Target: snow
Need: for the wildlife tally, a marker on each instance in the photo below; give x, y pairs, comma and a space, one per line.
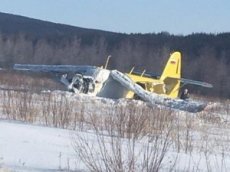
25, 147
35, 148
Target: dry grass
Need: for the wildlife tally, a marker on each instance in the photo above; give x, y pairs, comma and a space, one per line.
131, 139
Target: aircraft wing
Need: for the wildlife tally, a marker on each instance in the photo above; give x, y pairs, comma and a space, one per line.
84, 69
66, 74
193, 82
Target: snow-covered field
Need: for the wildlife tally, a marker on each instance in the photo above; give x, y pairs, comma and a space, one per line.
25, 147
31, 138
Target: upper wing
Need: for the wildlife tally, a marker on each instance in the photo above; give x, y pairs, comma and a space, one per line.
67, 74
84, 69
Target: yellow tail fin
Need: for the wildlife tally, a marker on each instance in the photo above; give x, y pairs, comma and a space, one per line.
171, 74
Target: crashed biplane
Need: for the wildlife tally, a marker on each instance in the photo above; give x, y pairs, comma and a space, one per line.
98, 81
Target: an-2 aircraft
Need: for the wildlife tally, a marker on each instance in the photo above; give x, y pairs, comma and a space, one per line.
99, 81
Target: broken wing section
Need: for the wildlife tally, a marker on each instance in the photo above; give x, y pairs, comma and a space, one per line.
153, 98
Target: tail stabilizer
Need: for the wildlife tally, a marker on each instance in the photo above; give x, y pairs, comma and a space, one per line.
171, 74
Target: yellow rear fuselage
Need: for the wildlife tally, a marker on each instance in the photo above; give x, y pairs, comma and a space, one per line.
167, 84
147, 83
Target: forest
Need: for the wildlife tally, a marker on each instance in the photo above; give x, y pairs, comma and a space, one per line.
205, 56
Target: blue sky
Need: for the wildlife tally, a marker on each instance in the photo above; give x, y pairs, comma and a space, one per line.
129, 16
